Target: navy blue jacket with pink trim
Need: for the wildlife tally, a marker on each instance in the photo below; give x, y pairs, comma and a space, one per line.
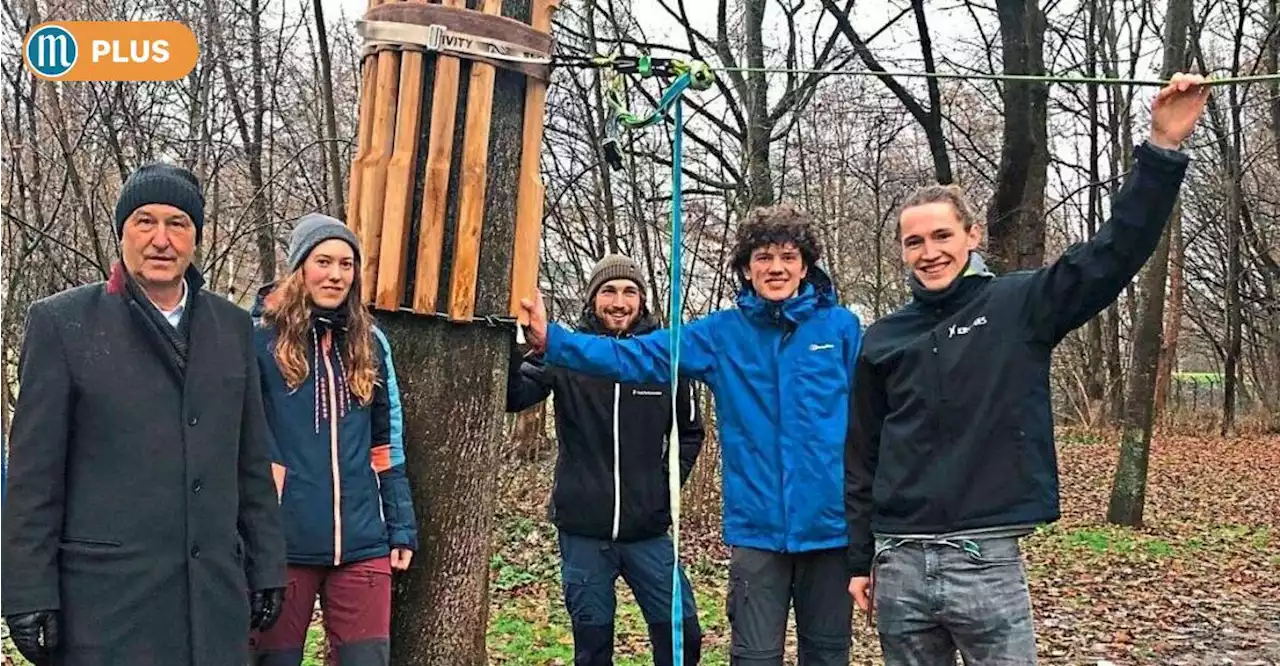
345, 495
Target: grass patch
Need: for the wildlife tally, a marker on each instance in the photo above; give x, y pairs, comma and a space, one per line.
527, 555
1159, 548
521, 634
313, 652
1235, 536
1199, 377
1099, 540
507, 576
1113, 540
1110, 540
1079, 438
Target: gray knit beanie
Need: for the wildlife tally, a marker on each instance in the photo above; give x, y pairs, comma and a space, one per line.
313, 229
160, 183
614, 267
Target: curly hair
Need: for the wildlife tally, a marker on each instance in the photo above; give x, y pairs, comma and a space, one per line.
778, 224
948, 194
288, 309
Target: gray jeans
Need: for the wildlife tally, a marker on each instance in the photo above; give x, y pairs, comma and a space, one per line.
762, 587
933, 599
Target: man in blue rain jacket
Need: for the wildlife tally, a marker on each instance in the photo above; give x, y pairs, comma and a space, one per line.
781, 368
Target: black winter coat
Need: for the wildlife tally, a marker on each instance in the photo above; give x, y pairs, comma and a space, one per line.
140, 502
952, 425
611, 471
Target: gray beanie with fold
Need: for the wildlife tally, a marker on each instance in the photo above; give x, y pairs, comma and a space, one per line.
313, 229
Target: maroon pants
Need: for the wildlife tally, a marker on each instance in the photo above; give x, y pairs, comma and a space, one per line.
356, 600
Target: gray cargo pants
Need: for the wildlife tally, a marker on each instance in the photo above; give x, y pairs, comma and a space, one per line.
762, 585
934, 598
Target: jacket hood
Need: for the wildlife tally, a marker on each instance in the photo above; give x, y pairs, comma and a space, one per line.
260, 299
816, 291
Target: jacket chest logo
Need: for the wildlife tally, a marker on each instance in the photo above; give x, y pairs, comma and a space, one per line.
648, 393
818, 347
954, 330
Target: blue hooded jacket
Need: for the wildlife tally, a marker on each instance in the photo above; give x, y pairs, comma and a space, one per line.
782, 375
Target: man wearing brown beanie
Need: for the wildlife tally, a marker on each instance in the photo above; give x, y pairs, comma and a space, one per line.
610, 503
141, 524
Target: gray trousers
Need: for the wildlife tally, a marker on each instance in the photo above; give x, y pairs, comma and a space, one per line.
933, 599
762, 587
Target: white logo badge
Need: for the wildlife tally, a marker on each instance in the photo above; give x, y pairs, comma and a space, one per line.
954, 330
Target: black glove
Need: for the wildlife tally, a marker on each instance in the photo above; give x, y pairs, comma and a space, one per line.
35, 635
264, 608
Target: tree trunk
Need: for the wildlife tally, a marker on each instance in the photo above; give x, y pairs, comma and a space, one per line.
337, 207
453, 381
1121, 160
1129, 487
5, 397
930, 119
453, 384
1094, 386
759, 127
1173, 316
1015, 217
266, 236
1269, 391
1235, 174
607, 241
933, 128
1115, 371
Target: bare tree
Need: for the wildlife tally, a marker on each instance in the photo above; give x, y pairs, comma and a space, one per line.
1129, 487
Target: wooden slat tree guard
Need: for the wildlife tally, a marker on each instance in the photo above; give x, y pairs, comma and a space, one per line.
446, 198
394, 157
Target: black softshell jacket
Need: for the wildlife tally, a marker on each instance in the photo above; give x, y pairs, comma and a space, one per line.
952, 426
611, 472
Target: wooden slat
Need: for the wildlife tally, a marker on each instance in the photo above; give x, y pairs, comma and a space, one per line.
475, 169
364, 118
374, 174
399, 185
530, 192
435, 190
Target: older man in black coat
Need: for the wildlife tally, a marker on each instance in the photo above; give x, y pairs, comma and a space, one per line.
141, 525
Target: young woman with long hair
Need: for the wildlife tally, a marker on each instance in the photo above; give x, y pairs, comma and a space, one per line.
331, 399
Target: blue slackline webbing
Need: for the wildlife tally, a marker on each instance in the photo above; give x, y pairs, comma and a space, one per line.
673, 448
671, 99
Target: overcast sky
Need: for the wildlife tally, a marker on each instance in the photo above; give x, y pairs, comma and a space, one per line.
869, 15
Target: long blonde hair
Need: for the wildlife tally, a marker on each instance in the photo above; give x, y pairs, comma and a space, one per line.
288, 309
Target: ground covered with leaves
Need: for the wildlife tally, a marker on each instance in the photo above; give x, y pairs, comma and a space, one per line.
1198, 584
